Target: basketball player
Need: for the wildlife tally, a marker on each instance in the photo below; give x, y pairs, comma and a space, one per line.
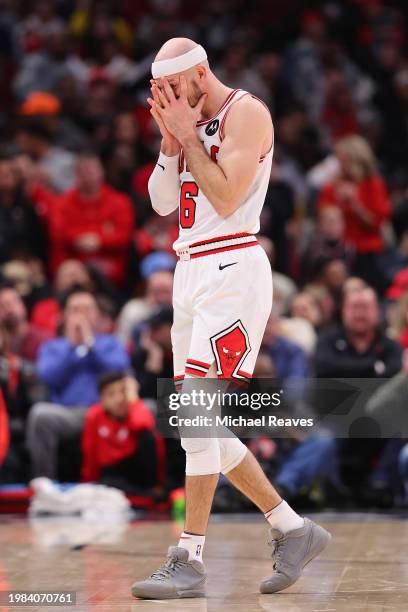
214, 165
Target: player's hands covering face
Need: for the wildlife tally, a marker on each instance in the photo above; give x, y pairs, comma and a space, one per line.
178, 116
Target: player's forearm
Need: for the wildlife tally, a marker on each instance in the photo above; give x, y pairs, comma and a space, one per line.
209, 176
164, 184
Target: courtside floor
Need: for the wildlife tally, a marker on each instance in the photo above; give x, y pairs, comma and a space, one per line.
365, 568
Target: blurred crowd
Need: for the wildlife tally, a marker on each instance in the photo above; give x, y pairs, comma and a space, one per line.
86, 268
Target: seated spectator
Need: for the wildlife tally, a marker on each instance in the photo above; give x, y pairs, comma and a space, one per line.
24, 337
325, 301
276, 213
28, 279
17, 379
327, 241
330, 274
388, 407
305, 306
357, 347
303, 462
70, 367
157, 234
57, 165
283, 287
153, 357
18, 388
362, 196
120, 446
71, 273
39, 24
159, 291
339, 113
21, 231
289, 359
96, 222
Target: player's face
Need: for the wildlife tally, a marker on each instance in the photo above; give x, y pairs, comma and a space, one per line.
194, 91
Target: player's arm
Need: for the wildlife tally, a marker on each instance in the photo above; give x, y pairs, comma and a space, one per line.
248, 134
164, 182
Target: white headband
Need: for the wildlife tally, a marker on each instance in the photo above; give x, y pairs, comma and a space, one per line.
179, 63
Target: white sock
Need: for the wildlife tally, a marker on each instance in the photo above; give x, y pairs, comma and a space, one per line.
194, 544
284, 518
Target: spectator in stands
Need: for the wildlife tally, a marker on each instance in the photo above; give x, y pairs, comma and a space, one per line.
327, 241
388, 407
331, 274
153, 357
362, 196
45, 69
38, 25
57, 165
17, 379
289, 359
21, 231
159, 290
96, 221
276, 213
305, 306
120, 446
24, 337
47, 312
70, 367
357, 347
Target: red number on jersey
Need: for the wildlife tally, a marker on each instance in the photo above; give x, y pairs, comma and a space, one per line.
214, 152
188, 191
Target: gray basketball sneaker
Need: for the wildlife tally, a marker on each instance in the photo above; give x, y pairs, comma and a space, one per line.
176, 578
291, 552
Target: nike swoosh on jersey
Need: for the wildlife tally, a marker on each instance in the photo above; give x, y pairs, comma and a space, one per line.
221, 267
162, 167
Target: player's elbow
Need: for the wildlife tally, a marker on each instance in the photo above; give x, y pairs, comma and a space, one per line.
227, 207
162, 206
160, 209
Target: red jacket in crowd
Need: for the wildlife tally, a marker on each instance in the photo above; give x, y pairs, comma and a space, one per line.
372, 195
106, 441
69, 216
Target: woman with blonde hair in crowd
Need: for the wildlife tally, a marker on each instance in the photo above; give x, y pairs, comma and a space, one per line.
360, 192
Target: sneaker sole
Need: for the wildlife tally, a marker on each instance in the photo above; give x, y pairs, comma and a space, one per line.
188, 594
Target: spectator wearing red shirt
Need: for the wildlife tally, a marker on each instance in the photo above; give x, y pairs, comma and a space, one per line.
362, 196
95, 222
120, 446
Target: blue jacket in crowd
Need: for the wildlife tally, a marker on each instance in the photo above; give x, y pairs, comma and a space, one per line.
71, 373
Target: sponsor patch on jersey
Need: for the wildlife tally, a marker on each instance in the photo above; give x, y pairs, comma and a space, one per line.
212, 127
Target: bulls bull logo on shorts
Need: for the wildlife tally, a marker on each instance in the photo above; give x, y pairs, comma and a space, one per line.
230, 347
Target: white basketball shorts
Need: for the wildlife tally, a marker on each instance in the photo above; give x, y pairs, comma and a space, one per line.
222, 299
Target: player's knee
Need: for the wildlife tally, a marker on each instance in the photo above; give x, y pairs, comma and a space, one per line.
232, 452
202, 456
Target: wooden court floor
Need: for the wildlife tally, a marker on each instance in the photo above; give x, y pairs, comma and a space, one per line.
365, 568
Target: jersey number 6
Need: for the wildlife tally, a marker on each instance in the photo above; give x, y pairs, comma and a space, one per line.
188, 191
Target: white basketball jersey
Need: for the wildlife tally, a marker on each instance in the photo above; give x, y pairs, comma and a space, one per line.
198, 219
